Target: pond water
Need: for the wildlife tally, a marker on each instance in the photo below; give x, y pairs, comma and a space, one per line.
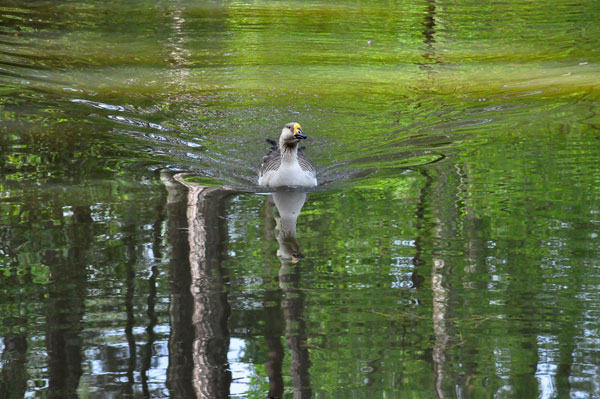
451, 248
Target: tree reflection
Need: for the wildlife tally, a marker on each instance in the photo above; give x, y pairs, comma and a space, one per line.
65, 308
273, 331
198, 365
13, 374
181, 337
208, 366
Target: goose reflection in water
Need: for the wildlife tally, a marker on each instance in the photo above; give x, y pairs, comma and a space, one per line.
289, 204
291, 296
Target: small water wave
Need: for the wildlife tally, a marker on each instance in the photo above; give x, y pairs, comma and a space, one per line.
373, 109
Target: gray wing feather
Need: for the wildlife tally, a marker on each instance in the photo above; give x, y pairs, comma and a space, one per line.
304, 162
272, 160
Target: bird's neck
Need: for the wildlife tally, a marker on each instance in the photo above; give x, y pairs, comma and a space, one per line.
288, 153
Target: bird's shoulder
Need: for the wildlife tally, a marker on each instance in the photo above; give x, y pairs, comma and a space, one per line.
304, 161
272, 160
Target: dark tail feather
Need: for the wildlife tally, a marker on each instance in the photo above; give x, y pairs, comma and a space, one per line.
274, 144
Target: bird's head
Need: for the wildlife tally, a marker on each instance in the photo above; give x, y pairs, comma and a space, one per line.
291, 134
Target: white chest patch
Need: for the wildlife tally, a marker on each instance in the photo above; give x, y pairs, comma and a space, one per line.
288, 174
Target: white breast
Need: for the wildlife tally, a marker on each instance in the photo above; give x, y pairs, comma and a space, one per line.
288, 175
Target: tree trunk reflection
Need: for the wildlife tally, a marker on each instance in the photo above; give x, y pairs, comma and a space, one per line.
66, 307
210, 375
180, 368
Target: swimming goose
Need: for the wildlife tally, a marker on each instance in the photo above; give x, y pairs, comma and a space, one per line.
286, 164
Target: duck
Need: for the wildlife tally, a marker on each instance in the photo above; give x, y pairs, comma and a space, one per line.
286, 164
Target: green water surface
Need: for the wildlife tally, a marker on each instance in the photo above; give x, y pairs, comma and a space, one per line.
451, 249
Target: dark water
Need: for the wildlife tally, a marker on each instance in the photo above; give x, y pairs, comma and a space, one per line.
450, 251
